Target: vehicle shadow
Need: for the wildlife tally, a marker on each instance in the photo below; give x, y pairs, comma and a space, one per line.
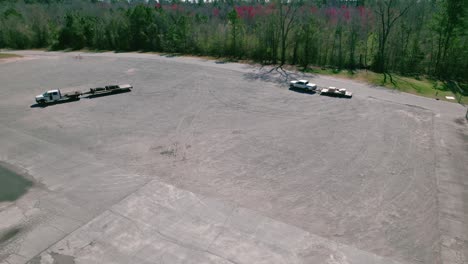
91, 96
336, 96
302, 91
51, 104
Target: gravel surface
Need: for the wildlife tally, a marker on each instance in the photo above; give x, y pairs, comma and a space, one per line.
207, 162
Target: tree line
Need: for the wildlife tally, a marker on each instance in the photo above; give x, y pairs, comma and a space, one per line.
426, 37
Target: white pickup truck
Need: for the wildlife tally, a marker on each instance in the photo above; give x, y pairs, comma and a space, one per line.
53, 96
303, 85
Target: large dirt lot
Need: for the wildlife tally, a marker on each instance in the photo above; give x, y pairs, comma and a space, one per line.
207, 162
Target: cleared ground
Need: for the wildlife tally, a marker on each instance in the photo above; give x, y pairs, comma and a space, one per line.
206, 162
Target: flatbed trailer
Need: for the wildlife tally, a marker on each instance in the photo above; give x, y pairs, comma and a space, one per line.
110, 89
335, 92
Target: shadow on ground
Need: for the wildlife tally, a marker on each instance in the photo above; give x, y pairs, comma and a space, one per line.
336, 96
170, 55
302, 91
275, 75
51, 104
91, 96
12, 185
9, 234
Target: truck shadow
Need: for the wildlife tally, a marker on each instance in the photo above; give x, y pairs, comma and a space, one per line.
302, 91
91, 96
336, 96
51, 104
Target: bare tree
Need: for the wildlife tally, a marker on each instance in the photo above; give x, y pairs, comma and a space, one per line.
286, 20
388, 13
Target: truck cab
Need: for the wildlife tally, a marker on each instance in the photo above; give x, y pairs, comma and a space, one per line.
49, 96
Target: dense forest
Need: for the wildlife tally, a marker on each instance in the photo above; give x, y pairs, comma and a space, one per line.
408, 37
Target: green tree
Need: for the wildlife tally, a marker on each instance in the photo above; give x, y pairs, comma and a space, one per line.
450, 25
388, 12
141, 20
235, 28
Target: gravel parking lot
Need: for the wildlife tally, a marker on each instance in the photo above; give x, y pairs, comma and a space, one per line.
207, 162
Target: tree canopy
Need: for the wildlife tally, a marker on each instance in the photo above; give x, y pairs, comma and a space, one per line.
426, 37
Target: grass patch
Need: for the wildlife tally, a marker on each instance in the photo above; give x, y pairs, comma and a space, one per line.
12, 185
421, 86
9, 55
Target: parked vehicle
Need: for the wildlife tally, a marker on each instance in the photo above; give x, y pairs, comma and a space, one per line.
55, 96
303, 85
333, 91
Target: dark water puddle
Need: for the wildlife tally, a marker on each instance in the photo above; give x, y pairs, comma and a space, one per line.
7, 235
12, 184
